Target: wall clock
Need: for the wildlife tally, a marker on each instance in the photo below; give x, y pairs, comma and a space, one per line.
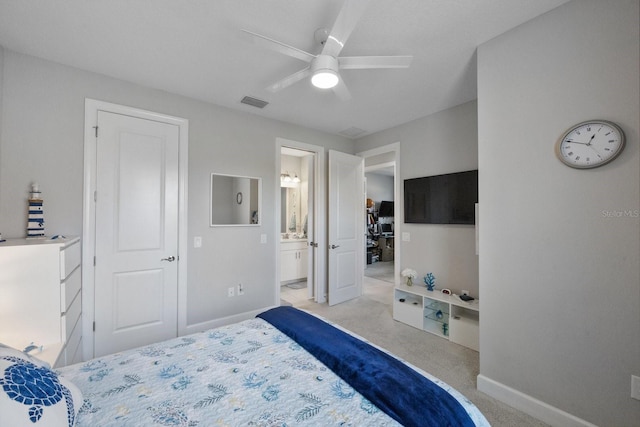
590, 144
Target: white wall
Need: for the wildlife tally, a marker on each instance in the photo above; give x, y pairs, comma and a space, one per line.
379, 188
559, 280
440, 143
42, 125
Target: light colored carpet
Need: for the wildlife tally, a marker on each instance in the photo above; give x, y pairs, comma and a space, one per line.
382, 270
371, 317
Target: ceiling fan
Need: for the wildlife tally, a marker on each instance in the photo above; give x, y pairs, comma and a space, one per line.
324, 67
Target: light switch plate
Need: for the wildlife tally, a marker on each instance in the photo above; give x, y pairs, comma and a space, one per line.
406, 237
197, 242
263, 238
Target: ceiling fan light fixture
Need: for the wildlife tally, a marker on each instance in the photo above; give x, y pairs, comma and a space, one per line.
325, 79
325, 72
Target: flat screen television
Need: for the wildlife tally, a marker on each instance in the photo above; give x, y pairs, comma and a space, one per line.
386, 209
441, 199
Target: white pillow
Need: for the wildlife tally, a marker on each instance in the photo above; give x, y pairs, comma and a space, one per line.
8, 350
31, 394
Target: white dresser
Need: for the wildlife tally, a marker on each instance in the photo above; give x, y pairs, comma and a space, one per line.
41, 297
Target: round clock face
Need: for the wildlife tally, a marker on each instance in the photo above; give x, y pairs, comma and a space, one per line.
590, 144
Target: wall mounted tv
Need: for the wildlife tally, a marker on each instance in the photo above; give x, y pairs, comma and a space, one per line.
441, 199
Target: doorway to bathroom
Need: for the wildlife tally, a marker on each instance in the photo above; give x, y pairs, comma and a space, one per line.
300, 223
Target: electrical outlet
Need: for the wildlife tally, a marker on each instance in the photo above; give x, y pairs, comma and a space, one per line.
231, 291
635, 387
240, 289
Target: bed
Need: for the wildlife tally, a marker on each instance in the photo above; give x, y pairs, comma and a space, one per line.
285, 367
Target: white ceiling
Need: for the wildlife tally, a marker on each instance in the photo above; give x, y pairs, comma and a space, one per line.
194, 48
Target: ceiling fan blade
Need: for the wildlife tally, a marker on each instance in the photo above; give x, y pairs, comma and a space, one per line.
346, 21
341, 91
277, 46
288, 81
362, 62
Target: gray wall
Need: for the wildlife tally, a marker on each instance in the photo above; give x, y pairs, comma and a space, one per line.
42, 131
559, 279
379, 187
440, 143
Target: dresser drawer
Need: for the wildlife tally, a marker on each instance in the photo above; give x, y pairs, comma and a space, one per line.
69, 289
72, 351
69, 259
72, 344
77, 356
71, 317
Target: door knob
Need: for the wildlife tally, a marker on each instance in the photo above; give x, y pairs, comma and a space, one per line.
313, 244
170, 259
335, 246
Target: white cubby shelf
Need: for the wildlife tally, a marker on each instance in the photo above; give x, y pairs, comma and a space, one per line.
444, 315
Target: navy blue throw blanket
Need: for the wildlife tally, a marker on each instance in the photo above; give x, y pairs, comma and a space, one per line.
401, 392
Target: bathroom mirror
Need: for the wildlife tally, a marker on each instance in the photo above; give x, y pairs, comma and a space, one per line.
293, 213
234, 200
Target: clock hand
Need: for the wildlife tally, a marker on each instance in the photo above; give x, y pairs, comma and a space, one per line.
583, 143
576, 142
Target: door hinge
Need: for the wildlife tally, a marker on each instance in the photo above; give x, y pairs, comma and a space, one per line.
94, 260
96, 128
95, 196
94, 326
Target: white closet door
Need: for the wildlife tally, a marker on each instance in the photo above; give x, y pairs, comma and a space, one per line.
136, 274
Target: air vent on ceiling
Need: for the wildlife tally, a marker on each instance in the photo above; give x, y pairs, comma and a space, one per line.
352, 132
254, 102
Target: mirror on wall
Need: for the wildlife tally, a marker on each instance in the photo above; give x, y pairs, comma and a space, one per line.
295, 166
234, 200
293, 213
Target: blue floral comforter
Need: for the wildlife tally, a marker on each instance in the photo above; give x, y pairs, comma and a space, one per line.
249, 373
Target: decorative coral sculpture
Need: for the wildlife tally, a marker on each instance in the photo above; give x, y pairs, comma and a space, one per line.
430, 281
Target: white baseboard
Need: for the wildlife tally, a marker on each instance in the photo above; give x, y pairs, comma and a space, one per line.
529, 405
203, 326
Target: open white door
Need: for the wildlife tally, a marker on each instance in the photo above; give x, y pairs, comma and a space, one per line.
346, 225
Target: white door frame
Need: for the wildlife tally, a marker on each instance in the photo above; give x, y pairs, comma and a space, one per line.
398, 204
320, 252
88, 227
